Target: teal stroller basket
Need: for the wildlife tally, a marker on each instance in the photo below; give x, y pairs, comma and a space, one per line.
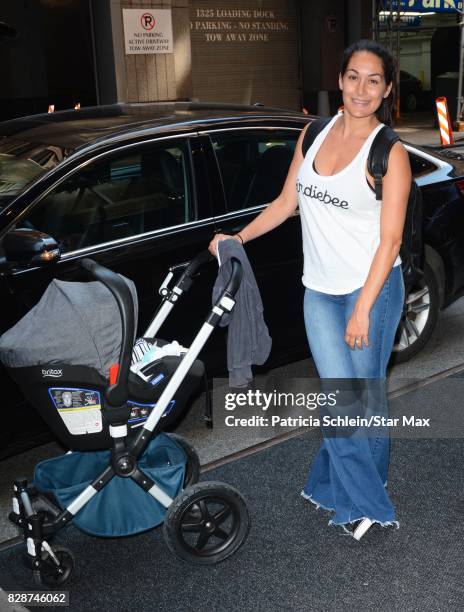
121, 508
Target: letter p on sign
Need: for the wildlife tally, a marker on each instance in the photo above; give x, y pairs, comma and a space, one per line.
148, 21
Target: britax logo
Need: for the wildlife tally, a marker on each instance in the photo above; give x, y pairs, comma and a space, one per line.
52, 373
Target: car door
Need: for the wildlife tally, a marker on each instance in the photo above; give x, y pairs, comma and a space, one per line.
253, 163
137, 209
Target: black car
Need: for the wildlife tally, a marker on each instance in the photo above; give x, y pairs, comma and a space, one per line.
139, 188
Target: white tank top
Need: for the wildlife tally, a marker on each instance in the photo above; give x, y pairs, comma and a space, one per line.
340, 220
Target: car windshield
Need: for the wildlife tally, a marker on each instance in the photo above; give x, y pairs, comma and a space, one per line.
21, 163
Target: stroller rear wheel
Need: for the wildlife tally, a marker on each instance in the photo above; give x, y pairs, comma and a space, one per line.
192, 467
50, 574
206, 523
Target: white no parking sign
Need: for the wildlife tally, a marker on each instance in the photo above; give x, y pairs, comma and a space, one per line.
147, 31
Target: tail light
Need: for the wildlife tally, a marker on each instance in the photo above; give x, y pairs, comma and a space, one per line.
460, 186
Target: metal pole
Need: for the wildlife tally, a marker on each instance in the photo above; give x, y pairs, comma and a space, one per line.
390, 31
94, 52
461, 51
398, 27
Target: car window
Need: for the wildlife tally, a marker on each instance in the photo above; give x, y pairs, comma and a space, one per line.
253, 164
21, 163
420, 166
117, 197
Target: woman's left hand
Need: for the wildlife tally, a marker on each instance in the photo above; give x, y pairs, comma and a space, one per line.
357, 330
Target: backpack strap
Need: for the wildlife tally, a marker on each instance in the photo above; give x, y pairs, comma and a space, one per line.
315, 127
377, 162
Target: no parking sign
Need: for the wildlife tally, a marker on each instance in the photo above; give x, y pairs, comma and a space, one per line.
147, 31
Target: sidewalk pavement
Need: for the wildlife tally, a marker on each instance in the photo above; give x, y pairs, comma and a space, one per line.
425, 136
418, 128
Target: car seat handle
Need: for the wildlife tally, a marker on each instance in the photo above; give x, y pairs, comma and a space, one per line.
117, 393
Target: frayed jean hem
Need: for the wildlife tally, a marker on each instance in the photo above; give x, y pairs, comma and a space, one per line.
317, 504
342, 524
348, 532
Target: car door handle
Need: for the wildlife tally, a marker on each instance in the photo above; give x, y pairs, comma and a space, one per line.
229, 230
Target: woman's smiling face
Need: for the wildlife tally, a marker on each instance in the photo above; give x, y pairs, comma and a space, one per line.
363, 84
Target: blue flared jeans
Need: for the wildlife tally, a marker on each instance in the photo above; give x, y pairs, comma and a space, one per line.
349, 472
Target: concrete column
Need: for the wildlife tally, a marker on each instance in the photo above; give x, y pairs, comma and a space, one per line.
103, 44
359, 20
322, 44
354, 21
147, 77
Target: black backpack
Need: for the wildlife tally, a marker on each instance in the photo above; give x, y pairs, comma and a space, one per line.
412, 247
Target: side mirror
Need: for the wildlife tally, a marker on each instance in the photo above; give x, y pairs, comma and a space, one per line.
27, 247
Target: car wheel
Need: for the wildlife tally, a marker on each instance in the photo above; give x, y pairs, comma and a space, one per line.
419, 317
411, 102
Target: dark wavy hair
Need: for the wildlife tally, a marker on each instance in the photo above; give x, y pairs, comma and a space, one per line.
385, 111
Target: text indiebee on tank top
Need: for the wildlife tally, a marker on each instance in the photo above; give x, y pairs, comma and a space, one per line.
312, 191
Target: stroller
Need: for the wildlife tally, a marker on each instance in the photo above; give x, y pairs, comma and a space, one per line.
123, 474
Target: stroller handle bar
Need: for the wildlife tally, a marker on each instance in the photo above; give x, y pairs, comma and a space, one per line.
171, 295
235, 277
186, 279
224, 303
117, 394
199, 260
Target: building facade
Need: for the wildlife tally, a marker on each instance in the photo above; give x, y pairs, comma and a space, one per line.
272, 52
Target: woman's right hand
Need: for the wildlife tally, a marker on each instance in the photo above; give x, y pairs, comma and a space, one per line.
217, 238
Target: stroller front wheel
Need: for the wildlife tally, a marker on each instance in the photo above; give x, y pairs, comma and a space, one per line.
206, 523
52, 575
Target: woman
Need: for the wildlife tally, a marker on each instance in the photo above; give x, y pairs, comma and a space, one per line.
352, 273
